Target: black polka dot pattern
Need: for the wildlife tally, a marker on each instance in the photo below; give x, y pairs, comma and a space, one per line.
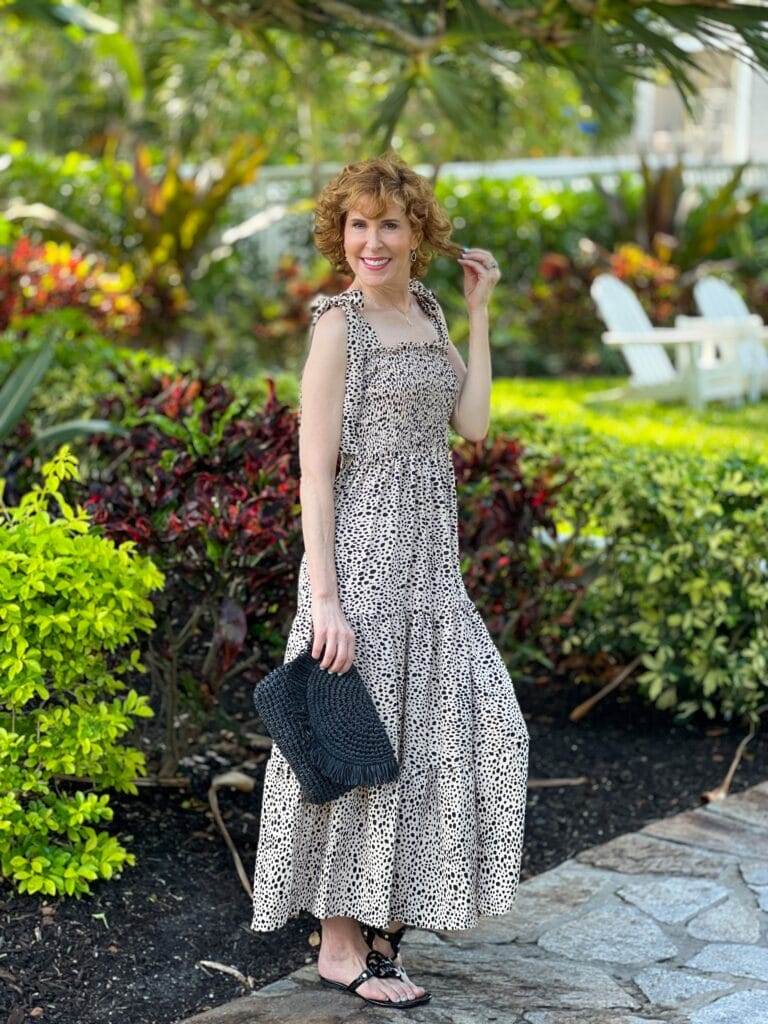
441, 846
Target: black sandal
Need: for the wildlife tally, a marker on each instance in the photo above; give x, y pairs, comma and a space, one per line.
378, 966
370, 931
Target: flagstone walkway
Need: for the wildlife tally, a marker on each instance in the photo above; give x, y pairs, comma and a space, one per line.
666, 924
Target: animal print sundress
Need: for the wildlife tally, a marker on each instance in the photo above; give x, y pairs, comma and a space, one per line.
440, 846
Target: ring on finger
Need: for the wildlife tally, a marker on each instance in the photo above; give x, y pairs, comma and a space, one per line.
492, 266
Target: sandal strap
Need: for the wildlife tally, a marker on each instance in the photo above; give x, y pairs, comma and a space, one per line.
358, 981
394, 938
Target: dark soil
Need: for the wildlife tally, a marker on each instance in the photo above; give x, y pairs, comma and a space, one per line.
129, 953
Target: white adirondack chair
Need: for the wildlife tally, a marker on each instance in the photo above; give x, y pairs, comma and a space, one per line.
694, 376
718, 301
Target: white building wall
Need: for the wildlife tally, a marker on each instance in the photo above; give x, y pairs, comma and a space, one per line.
758, 118
730, 114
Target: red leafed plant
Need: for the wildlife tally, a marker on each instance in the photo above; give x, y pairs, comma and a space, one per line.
292, 314
522, 579
209, 486
52, 275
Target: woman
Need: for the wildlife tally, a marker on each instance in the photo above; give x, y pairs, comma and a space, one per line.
380, 585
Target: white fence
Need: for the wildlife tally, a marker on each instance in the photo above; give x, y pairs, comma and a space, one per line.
263, 206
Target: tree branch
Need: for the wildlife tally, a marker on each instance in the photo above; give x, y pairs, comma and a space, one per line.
528, 23
373, 22
508, 16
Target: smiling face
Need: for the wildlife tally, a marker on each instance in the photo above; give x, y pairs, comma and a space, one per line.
378, 249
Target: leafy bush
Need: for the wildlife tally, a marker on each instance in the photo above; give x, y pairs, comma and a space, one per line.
86, 190
208, 484
519, 577
678, 572
16, 393
72, 600
684, 582
86, 366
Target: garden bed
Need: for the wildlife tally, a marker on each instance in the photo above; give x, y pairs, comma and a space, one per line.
129, 953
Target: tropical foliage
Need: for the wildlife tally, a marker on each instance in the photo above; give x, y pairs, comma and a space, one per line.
522, 581
458, 64
165, 222
207, 484
48, 276
684, 226
19, 390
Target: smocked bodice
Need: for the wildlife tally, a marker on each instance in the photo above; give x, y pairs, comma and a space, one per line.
399, 396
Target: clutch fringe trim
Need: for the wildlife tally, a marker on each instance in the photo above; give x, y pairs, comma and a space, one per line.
354, 773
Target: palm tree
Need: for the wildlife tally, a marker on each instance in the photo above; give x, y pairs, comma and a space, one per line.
452, 50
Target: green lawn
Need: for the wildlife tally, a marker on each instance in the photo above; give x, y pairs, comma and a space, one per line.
717, 429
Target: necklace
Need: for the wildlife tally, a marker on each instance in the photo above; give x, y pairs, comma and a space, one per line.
384, 309
410, 322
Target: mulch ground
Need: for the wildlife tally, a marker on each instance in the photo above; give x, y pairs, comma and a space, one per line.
129, 953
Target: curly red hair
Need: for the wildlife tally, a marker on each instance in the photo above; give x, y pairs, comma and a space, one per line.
370, 185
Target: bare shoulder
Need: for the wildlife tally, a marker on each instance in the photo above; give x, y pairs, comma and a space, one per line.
326, 360
329, 335
331, 323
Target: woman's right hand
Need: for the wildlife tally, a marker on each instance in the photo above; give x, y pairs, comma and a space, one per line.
333, 637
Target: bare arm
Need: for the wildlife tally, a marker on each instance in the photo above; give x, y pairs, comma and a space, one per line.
322, 403
471, 413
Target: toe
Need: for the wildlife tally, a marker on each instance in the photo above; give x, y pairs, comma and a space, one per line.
376, 990
414, 990
401, 991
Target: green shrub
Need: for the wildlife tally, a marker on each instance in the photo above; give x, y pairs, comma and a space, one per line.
686, 582
71, 599
678, 575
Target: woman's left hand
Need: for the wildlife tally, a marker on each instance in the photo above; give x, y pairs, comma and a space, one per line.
481, 274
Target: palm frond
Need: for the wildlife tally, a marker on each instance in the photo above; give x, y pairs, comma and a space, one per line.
390, 109
63, 13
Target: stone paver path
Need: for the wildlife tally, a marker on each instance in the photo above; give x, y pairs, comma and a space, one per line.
666, 924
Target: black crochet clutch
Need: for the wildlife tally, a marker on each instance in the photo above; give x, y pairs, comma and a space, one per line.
327, 728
